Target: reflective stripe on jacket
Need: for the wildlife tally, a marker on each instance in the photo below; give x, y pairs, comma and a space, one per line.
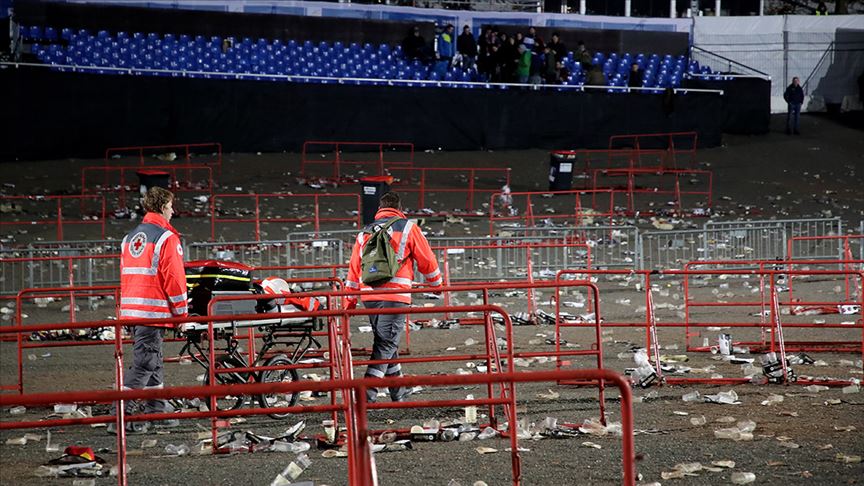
152, 277
411, 248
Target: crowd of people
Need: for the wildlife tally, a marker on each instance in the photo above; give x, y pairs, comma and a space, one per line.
520, 57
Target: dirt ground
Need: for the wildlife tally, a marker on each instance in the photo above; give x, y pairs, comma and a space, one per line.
817, 174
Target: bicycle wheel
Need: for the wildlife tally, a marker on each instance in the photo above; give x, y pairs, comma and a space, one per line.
271, 376
228, 402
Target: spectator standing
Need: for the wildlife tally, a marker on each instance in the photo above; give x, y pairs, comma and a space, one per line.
523, 69
446, 45
583, 56
821, 9
636, 75
484, 52
411, 248
508, 59
414, 45
794, 96
551, 65
152, 286
467, 47
556, 45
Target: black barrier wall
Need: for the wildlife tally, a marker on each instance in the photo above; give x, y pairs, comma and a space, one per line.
58, 114
746, 103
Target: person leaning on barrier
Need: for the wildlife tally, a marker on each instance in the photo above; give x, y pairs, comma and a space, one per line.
152, 286
411, 248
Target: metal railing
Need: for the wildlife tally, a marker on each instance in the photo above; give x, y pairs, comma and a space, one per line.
349, 81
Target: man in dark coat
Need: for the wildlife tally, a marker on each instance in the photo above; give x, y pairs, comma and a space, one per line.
794, 96
467, 47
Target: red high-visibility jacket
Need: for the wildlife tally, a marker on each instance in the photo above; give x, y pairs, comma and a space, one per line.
411, 247
152, 278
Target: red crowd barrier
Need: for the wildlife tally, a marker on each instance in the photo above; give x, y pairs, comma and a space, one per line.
518, 207
355, 413
586, 160
425, 180
675, 143
209, 153
521, 258
312, 213
385, 155
194, 179
845, 253
669, 184
770, 269
85, 214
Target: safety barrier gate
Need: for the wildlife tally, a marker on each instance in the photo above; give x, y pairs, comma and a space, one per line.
317, 252
791, 228
652, 191
843, 247
673, 249
611, 246
517, 209
186, 181
381, 155
675, 143
258, 209
61, 211
73, 270
424, 182
340, 359
767, 278
209, 154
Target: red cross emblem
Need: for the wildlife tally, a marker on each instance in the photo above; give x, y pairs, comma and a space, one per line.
137, 244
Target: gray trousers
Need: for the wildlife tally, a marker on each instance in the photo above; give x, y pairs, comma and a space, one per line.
147, 370
387, 329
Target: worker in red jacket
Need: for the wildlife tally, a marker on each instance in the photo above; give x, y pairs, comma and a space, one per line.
152, 286
411, 248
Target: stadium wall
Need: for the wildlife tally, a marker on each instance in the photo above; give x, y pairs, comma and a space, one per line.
61, 114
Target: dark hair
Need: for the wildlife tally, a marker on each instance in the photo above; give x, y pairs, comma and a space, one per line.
156, 199
390, 200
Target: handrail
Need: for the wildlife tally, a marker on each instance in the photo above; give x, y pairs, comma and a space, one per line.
730, 61
806, 82
333, 80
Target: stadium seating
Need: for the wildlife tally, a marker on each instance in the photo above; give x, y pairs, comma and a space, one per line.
305, 61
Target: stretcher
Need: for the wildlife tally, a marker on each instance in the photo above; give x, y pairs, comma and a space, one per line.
295, 336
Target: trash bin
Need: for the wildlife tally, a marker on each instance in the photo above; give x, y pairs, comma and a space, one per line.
561, 170
148, 178
371, 190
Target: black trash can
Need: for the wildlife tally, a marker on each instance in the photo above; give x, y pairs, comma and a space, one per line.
371, 190
561, 170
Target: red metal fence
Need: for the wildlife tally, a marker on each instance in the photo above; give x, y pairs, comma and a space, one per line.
653, 190
258, 209
379, 155
571, 208
208, 153
184, 179
674, 143
60, 211
429, 181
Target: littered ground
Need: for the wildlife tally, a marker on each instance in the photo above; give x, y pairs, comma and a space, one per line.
819, 173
